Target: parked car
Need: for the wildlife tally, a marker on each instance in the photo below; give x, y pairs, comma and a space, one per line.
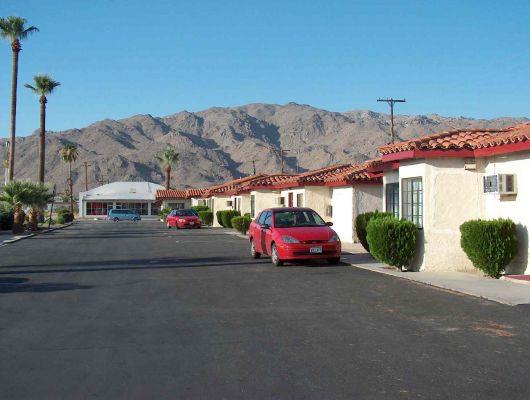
288, 234
124, 214
183, 219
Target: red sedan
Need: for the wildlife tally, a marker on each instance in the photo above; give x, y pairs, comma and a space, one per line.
183, 219
293, 234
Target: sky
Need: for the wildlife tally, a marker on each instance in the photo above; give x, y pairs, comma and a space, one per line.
117, 58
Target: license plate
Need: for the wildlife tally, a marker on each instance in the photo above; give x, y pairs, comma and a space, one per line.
192, 223
315, 250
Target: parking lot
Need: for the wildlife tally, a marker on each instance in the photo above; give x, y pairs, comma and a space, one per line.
136, 311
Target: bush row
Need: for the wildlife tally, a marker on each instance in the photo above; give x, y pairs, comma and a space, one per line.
198, 209
242, 224
224, 217
64, 216
206, 217
361, 223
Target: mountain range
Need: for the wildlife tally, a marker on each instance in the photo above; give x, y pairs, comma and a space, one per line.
218, 144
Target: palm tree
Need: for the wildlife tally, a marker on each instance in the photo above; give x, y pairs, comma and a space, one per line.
19, 193
44, 86
69, 154
14, 30
167, 158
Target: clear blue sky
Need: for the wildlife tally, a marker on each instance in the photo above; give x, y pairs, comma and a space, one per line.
119, 58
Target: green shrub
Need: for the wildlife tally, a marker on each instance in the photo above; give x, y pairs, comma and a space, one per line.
247, 215
164, 212
218, 215
241, 224
391, 240
227, 215
197, 209
206, 217
64, 216
490, 245
6, 218
361, 222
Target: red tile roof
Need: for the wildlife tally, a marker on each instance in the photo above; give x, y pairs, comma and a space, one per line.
460, 139
231, 185
178, 194
354, 173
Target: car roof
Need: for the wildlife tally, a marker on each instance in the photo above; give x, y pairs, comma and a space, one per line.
290, 209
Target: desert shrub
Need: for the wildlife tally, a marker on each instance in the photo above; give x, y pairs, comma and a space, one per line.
206, 217
218, 215
490, 245
64, 216
391, 240
361, 222
241, 224
6, 218
164, 212
227, 215
198, 209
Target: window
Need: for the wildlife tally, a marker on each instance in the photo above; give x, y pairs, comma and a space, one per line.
261, 218
141, 208
176, 206
300, 200
392, 199
268, 218
252, 205
98, 208
412, 193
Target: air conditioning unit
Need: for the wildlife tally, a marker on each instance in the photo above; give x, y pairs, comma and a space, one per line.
280, 201
229, 203
500, 184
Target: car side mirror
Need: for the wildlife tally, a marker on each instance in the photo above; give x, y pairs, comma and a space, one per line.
265, 226
329, 223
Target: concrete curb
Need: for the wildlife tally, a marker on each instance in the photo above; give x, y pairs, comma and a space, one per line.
22, 237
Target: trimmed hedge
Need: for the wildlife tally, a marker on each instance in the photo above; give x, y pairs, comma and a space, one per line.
198, 209
218, 215
490, 245
241, 224
391, 240
206, 217
227, 215
361, 222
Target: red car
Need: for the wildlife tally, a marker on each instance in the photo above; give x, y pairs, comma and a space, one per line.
183, 219
293, 234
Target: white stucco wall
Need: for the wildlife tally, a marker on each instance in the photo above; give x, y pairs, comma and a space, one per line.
515, 207
219, 203
265, 199
342, 202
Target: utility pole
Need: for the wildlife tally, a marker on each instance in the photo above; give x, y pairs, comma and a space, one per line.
254, 167
86, 175
391, 102
282, 152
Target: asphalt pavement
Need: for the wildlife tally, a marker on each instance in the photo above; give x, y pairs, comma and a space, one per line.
135, 311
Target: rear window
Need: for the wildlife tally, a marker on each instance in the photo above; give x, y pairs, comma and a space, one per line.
185, 213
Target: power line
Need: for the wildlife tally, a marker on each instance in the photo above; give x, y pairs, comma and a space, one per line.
391, 102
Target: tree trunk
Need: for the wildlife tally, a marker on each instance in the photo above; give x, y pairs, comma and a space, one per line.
15, 46
42, 143
71, 186
18, 224
33, 219
168, 176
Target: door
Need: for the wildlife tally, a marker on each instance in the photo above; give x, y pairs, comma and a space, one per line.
266, 233
290, 199
257, 231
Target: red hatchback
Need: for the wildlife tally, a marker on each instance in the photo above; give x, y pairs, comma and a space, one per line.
293, 234
183, 219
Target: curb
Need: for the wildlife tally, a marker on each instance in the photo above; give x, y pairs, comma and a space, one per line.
22, 237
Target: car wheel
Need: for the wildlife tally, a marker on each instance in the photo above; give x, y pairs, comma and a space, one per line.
116, 219
275, 257
333, 261
253, 251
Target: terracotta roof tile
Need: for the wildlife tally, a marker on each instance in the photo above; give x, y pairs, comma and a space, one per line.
355, 172
178, 194
460, 139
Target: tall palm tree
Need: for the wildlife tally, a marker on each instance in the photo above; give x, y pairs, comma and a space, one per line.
167, 158
44, 86
69, 154
14, 30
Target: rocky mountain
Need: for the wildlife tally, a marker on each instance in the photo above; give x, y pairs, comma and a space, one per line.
222, 143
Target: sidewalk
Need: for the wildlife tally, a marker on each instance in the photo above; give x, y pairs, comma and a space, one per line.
7, 237
499, 290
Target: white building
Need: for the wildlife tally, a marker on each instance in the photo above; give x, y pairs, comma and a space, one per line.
441, 181
140, 196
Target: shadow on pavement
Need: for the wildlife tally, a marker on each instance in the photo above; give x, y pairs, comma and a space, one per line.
17, 285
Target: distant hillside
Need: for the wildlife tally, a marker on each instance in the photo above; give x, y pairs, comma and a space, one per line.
221, 143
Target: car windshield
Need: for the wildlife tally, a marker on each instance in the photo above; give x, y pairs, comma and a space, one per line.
293, 219
184, 213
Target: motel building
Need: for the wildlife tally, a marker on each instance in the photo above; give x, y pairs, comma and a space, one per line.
443, 180
139, 196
